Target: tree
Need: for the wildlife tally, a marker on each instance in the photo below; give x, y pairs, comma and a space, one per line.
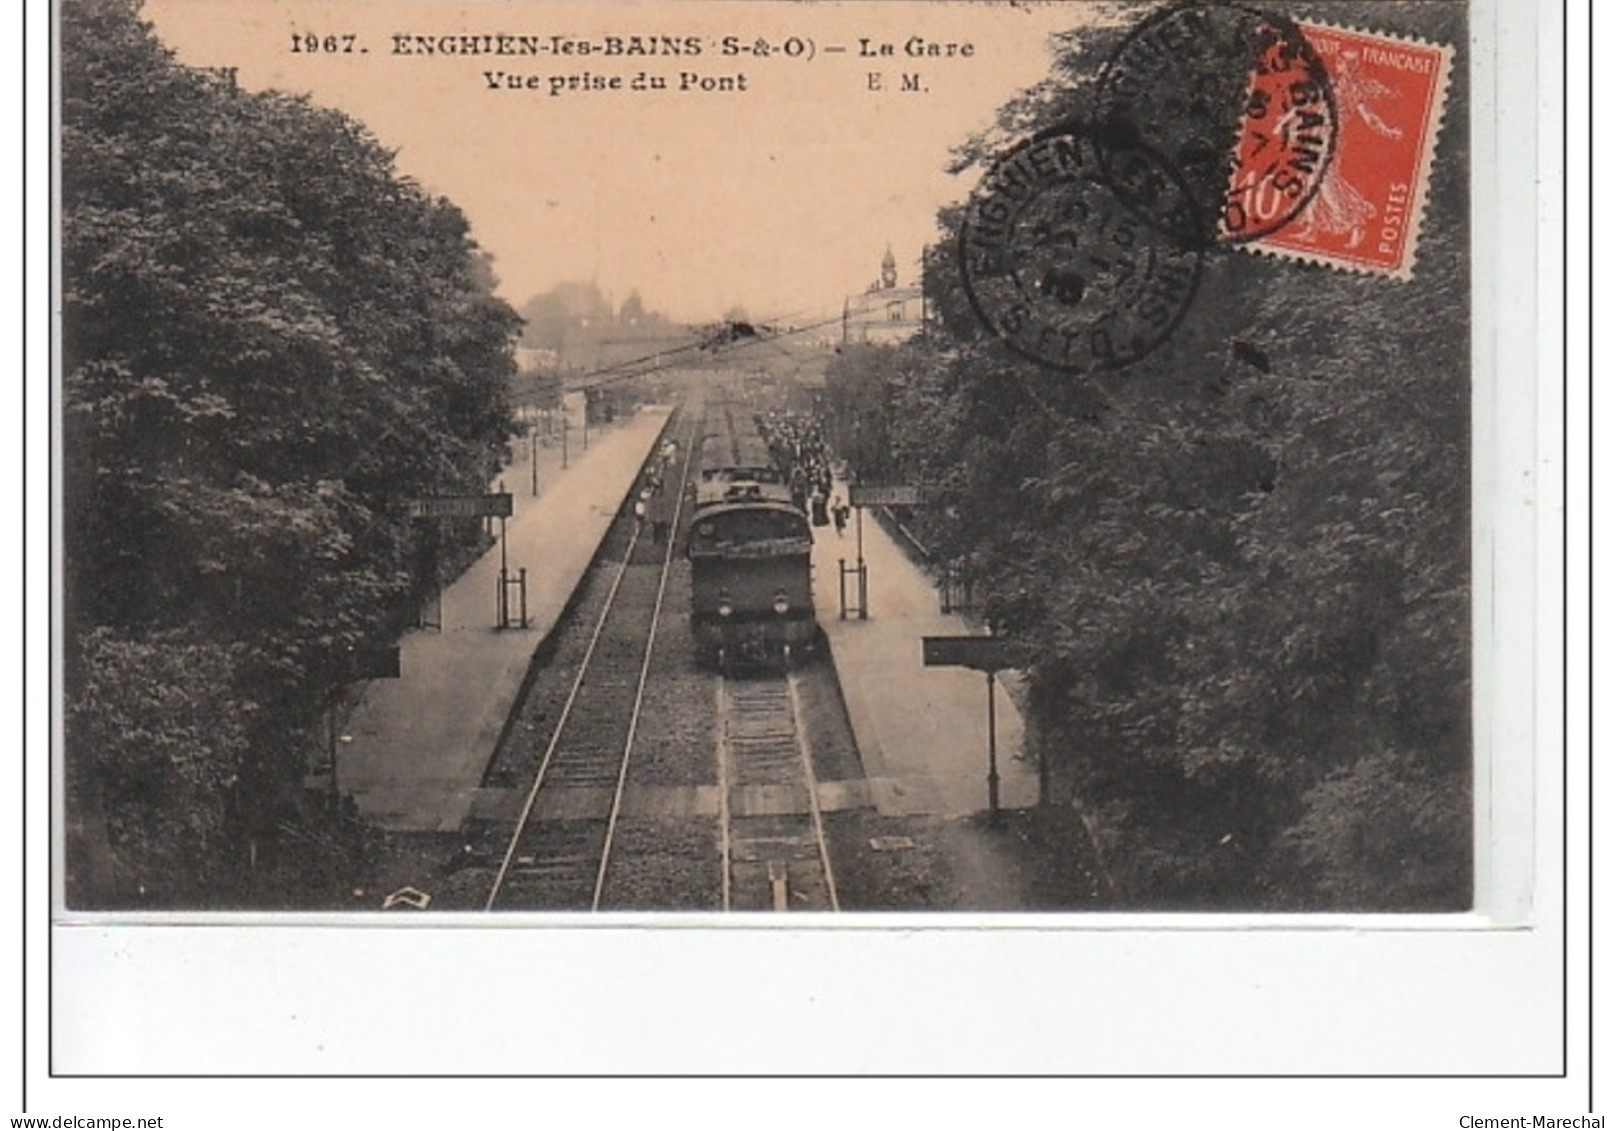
271, 340
1241, 561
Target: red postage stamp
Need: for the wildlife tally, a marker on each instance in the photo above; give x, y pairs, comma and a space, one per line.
1389, 94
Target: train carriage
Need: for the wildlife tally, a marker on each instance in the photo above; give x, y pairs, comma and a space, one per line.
750, 552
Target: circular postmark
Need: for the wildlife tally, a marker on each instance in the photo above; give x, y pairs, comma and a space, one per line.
1236, 100
1064, 270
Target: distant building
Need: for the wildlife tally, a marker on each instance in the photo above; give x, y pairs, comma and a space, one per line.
530, 358
885, 313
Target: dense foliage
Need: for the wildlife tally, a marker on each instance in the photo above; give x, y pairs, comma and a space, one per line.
1242, 563
270, 341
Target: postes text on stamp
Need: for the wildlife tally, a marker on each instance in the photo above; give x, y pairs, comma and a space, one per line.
1390, 94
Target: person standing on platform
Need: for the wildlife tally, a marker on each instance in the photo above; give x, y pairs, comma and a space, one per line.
838, 511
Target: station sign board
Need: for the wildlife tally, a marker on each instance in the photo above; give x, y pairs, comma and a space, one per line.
984, 653
463, 506
884, 495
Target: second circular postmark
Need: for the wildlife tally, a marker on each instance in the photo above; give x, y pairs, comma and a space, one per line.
1067, 271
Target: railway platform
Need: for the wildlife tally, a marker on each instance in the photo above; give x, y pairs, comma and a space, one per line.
922, 732
414, 749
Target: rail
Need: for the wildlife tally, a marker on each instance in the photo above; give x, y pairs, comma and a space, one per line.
639, 690
764, 759
575, 692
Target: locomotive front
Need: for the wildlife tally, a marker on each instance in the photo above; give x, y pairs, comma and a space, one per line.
751, 580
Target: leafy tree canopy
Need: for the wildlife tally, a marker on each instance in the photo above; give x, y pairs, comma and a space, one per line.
271, 340
1243, 559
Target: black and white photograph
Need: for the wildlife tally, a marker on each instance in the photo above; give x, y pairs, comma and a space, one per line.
828, 467
452, 525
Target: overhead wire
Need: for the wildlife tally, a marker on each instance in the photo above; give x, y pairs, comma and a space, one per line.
611, 374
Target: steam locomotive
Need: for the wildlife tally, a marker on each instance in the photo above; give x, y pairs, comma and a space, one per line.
749, 548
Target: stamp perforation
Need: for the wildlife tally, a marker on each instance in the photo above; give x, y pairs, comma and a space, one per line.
1432, 123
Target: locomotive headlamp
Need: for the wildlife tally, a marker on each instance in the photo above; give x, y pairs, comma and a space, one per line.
726, 607
781, 604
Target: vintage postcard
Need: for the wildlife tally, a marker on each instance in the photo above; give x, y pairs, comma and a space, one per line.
785, 464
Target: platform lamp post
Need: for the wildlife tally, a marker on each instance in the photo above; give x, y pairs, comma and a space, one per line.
863, 571
532, 437
993, 817
858, 571
989, 654
502, 606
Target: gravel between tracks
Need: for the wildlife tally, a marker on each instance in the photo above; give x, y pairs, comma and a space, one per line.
677, 733
665, 865
824, 715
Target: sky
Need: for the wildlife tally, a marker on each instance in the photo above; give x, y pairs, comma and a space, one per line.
780, 198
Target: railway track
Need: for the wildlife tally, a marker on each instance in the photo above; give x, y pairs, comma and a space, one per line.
560, 853
775, 857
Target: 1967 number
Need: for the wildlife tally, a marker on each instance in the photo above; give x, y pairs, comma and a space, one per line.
307, 43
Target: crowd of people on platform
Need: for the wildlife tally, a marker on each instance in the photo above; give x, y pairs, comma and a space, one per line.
797, 444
